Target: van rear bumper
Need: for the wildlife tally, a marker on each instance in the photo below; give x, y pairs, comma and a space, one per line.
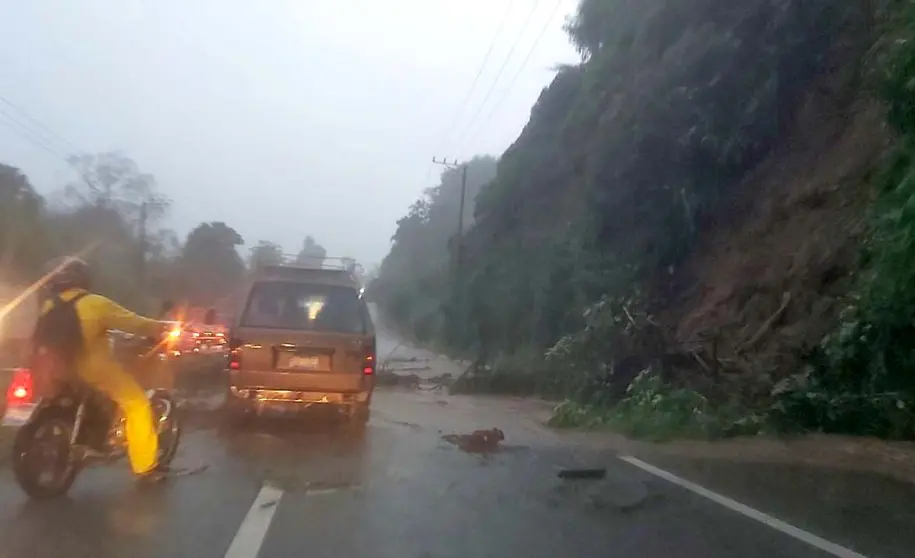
318, 382
292, 397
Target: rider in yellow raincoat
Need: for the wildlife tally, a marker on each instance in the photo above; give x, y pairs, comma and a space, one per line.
97, 365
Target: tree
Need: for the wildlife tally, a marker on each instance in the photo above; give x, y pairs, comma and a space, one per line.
265, 253
113, 180
312, 254
210, 265
112, 209
23, 232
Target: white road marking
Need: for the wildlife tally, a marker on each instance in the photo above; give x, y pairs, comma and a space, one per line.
253, 528
743, 509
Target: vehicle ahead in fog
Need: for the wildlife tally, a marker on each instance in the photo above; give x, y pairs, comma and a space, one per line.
304, 337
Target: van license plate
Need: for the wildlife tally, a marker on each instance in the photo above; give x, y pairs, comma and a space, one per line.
305, 362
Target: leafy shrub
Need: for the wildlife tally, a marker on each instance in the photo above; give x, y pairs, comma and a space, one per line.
654, 410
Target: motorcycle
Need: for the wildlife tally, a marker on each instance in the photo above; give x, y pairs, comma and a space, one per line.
78, 427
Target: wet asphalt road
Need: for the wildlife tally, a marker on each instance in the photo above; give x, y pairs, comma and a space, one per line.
401, 491
280, 488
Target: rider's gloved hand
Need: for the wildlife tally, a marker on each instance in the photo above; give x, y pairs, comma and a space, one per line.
172, 330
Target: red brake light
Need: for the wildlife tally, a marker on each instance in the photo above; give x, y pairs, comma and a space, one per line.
21, 388
235, 353
369, 361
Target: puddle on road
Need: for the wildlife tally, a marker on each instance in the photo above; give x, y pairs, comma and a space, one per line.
615, 493
315, 457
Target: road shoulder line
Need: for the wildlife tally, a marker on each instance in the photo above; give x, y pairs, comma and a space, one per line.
806, 537
254, 526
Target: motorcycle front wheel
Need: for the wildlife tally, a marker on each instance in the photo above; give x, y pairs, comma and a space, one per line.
42, 461
168, 425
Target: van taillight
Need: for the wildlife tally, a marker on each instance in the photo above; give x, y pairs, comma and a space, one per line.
21, 388
368, 362
235, 353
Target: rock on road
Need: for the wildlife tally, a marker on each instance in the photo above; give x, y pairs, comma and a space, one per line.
283, 488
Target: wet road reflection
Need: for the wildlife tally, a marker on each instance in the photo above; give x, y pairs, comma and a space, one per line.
405, 487
311, 455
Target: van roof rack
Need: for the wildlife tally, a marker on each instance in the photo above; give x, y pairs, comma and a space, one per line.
293, 265
331, 263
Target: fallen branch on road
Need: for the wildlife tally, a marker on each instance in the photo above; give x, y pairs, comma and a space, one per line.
478, 441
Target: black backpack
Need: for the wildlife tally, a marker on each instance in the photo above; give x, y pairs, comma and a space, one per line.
58, 334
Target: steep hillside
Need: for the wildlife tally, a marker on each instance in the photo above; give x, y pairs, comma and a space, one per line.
785, 243
627, 156
693, 201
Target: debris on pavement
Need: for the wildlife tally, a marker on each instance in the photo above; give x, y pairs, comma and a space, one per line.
186, 471
582, 474
618, 493
410, 425
317, 488
441, 381
414, 368
401, 359
390, 379
478, 441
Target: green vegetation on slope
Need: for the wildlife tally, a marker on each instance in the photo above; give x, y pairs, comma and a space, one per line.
572, 278
861, 378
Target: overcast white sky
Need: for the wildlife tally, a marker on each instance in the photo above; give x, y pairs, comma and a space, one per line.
280, 117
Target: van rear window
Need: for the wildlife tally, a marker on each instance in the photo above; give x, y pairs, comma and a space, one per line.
304, 306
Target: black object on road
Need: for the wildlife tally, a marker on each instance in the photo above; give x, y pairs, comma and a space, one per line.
582, 474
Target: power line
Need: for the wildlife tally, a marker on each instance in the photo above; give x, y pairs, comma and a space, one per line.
32, 137
476, 78
502, 68
527, 59
25, 132
446, 133
38, 123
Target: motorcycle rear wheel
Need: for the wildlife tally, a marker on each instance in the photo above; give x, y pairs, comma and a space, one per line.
29, 467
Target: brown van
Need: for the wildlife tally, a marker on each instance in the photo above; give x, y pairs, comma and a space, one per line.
304, 337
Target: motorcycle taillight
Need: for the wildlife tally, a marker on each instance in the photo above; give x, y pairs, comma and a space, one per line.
21, 389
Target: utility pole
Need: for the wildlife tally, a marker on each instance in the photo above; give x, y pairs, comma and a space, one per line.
141, 261
452, 314
460, 229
